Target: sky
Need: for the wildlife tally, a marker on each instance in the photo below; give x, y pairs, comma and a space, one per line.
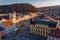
36, 3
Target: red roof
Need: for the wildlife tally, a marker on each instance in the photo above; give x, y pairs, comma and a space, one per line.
55, 33
7, 23
57, 18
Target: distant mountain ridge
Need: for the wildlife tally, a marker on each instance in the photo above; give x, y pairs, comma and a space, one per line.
52, 8
18, 7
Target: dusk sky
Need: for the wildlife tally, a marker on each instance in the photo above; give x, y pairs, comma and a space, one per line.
36, 3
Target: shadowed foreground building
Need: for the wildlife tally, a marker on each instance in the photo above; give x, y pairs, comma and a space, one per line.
42, 27
54, 34
2, 32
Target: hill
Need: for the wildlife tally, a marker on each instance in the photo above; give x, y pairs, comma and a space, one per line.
18, 7
49, 8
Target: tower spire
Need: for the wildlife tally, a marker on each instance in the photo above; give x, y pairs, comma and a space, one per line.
14, 17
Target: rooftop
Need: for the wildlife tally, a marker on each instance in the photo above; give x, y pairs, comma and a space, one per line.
4, 16
55, 33
7, 23
49, 23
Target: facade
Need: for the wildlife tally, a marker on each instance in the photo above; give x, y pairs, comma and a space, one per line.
41, 27
2, 33
23, 25
54, 34
8, 26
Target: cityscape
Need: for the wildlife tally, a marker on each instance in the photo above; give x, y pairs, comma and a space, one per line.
29, 20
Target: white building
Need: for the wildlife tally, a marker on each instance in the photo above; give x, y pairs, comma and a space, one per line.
9, 26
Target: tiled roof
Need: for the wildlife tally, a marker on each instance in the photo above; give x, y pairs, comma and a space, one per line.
7, 23
55, 33
57, 18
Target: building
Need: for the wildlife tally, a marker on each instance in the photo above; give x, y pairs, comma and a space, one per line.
42, 27
4, 16
54, 34
2, 33
23, 24
8, 26
13, 17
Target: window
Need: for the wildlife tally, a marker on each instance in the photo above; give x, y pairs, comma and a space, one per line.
38, 27
41, 28
36, 30
41, 31
46, 28
33, 29
46, 33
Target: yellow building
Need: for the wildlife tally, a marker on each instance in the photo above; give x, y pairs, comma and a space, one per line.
42, 27
13, 17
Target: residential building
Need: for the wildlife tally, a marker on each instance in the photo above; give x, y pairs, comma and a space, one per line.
4, 16
8, 26
23, 25
42, 27
2, 33
54, 34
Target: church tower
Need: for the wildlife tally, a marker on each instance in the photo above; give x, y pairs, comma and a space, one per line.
13, 17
